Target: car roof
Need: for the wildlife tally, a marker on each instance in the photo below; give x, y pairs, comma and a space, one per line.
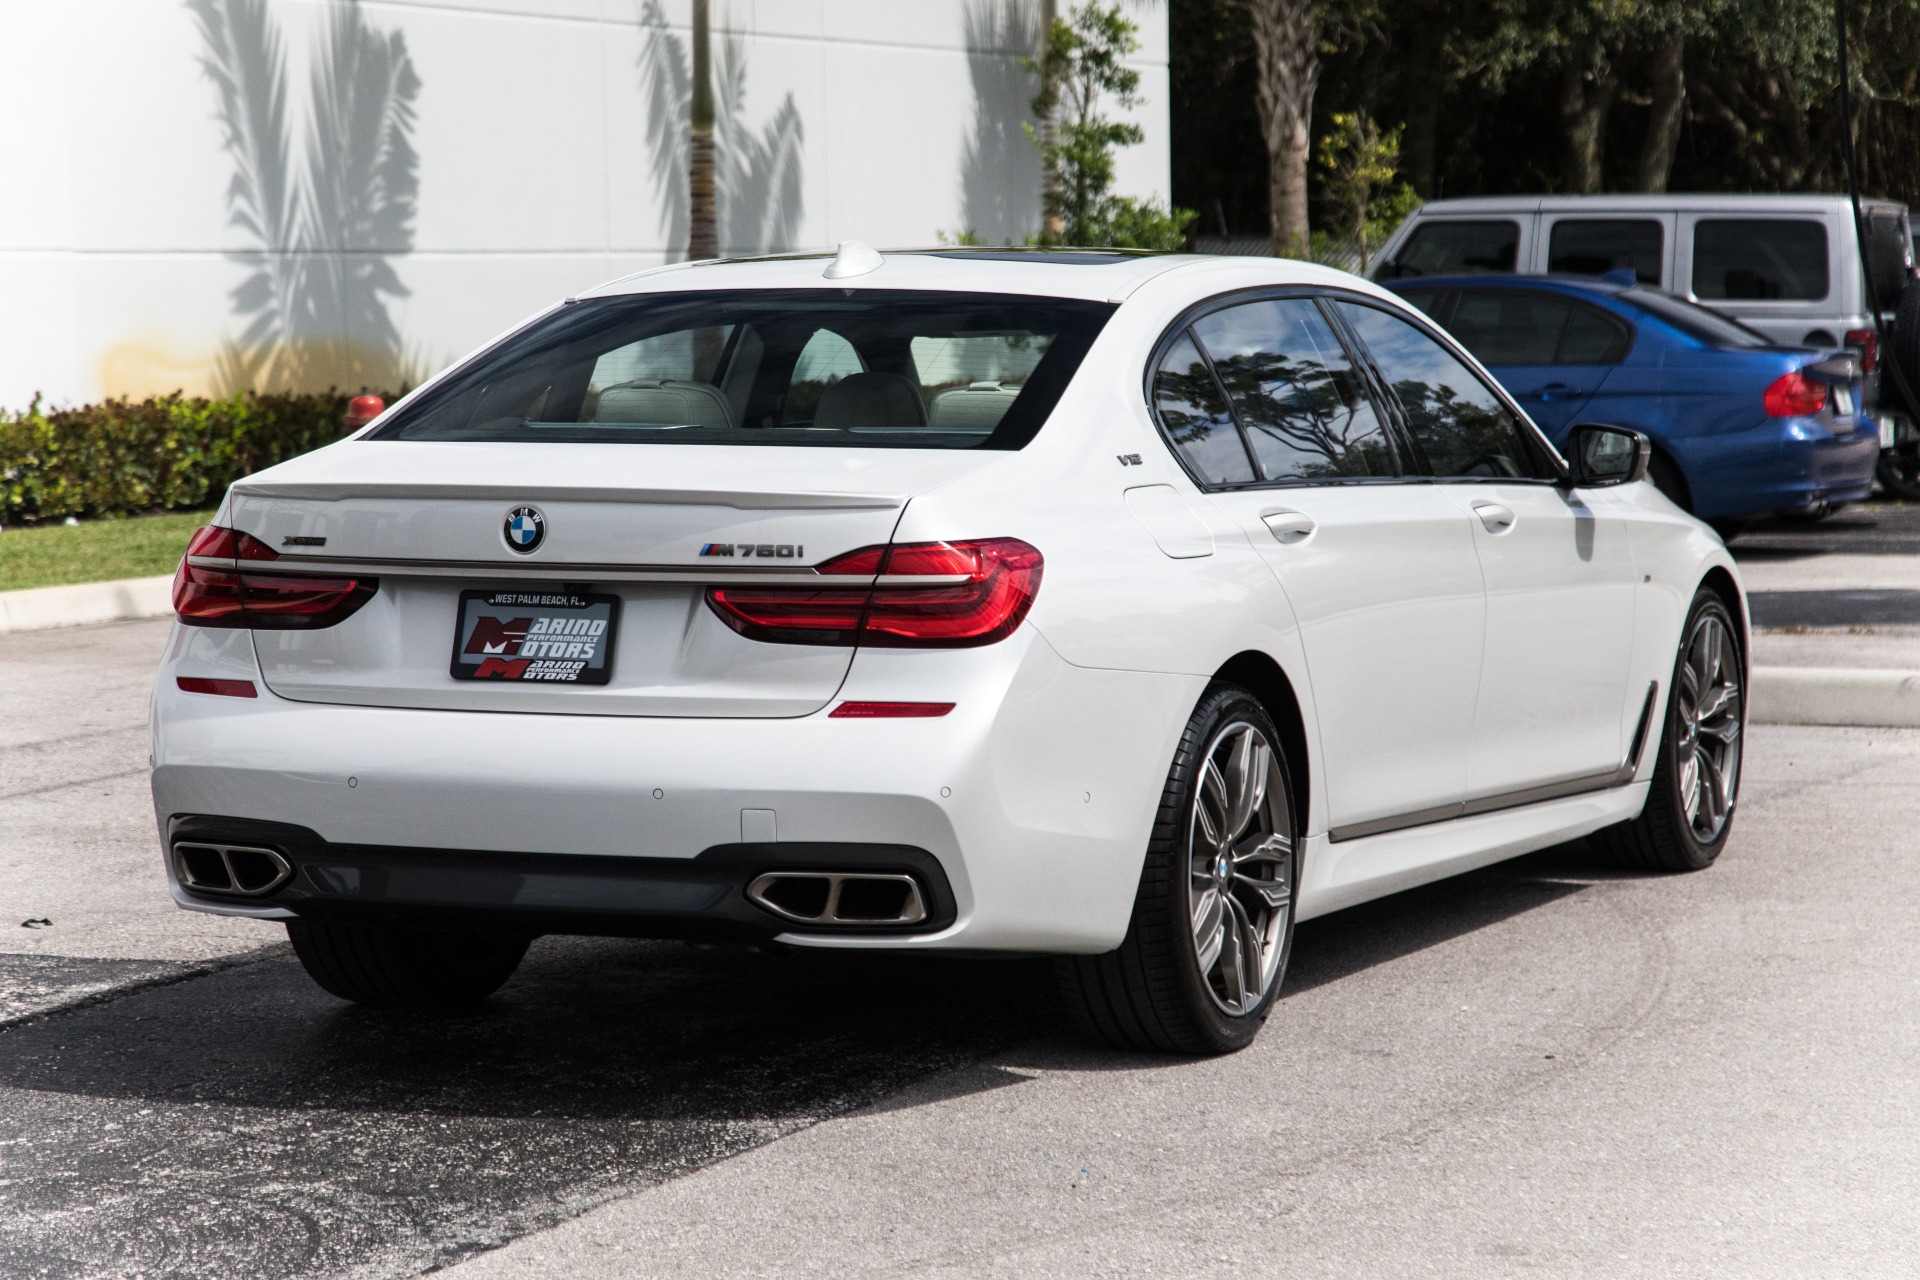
1106, 275
1695, 202
1508, 280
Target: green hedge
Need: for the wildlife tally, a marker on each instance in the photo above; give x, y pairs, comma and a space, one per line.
119, 457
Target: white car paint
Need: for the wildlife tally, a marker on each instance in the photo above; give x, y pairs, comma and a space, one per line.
1441, 660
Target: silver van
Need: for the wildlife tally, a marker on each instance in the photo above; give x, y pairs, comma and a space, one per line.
1786, 265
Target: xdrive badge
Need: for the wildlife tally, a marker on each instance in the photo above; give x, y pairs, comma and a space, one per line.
525, 529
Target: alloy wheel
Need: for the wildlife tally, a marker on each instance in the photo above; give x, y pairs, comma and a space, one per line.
1240, 867
1709, 718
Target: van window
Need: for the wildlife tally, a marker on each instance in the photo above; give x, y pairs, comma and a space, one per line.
1889, 255
1457, 248
1595, 246
1759, 259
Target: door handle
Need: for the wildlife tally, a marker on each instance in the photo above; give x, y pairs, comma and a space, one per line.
1497, 518
1288, 526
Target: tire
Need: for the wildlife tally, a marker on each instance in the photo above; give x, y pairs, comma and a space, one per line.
398, 967
1904, 349
1696, 771
1178, 984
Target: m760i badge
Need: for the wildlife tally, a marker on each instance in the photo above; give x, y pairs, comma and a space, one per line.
764, 550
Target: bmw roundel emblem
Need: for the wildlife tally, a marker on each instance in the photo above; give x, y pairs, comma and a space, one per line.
525, 528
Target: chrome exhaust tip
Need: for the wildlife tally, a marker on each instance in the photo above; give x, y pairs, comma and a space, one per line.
243, 870
840, 898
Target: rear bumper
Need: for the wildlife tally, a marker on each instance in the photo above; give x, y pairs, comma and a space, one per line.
1787, 464
1033, 799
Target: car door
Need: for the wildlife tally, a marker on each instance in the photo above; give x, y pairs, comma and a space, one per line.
1265, 405
1553, 713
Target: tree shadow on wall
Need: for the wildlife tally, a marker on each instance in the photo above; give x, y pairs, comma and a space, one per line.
758, 177
999, 171
322, 273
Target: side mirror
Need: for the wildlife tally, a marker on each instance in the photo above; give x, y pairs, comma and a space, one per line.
1600, 456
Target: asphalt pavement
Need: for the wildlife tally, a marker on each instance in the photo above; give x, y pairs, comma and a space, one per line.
1548, 1067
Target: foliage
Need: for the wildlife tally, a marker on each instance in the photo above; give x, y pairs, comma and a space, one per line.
1360, 168
120, 457
1501, 96
95, 550
1081, 67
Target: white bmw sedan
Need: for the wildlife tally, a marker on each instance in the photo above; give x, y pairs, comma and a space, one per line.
1125, 608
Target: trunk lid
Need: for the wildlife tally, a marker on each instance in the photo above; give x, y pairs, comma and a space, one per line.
651, 526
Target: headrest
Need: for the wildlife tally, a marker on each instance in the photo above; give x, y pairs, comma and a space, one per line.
669, 402
871, 400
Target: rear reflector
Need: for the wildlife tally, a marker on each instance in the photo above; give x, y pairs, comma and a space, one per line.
889, 710
224, 688
1794, 395
216, 596
997, 581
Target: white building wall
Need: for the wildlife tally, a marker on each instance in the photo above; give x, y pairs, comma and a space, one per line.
542, 165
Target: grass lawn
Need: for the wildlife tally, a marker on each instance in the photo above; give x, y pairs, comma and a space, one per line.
96, 551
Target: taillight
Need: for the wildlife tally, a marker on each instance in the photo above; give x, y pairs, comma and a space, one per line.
970, 593
1794, 395
1867, 343
226, 595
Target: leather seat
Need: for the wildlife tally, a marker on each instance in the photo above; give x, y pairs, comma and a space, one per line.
871, 400
973, 408
667, 402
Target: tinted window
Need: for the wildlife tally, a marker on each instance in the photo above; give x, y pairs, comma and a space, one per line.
1295, 390
1428, 300
873, 368
1755, 259
1528, 327
1695, 321
1458, 422
1889, 255
1457, 248
1510, 326
1595, 246
1195, 416
1592, 338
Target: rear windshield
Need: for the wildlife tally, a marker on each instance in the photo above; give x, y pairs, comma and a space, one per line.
1456, 248
1694, 320
1759, 259
870, 368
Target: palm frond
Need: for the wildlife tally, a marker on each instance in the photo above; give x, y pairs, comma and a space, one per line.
666, 78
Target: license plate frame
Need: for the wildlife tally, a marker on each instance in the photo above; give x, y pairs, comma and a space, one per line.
558, 624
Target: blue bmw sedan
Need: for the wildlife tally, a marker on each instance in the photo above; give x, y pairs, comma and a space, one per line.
1740, 427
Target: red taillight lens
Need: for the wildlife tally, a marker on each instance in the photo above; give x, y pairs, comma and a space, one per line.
1867, 343
216, 596
997, 581
1794, 395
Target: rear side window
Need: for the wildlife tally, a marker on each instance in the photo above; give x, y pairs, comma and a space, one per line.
1457, 248
1595, 246
1699, 323
1460, 425
1193, 412
865, 368
1759, 259
1295, 391
1530, 327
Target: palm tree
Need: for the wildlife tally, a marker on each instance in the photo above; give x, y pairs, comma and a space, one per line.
703, 235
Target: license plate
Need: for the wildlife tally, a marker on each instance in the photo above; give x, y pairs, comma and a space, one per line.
1889, 426
536, 637
1842, 401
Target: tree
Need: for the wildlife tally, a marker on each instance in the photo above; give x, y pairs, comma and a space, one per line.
1286, 39
703, 224
1360, 168
1081, 66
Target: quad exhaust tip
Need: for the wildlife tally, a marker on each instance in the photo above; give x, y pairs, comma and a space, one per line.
245, 870
847, 898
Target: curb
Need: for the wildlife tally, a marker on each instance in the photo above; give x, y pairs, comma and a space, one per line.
42, 608
1836, 696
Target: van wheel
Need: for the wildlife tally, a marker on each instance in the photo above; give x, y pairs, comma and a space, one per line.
400, 967
1212, 925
